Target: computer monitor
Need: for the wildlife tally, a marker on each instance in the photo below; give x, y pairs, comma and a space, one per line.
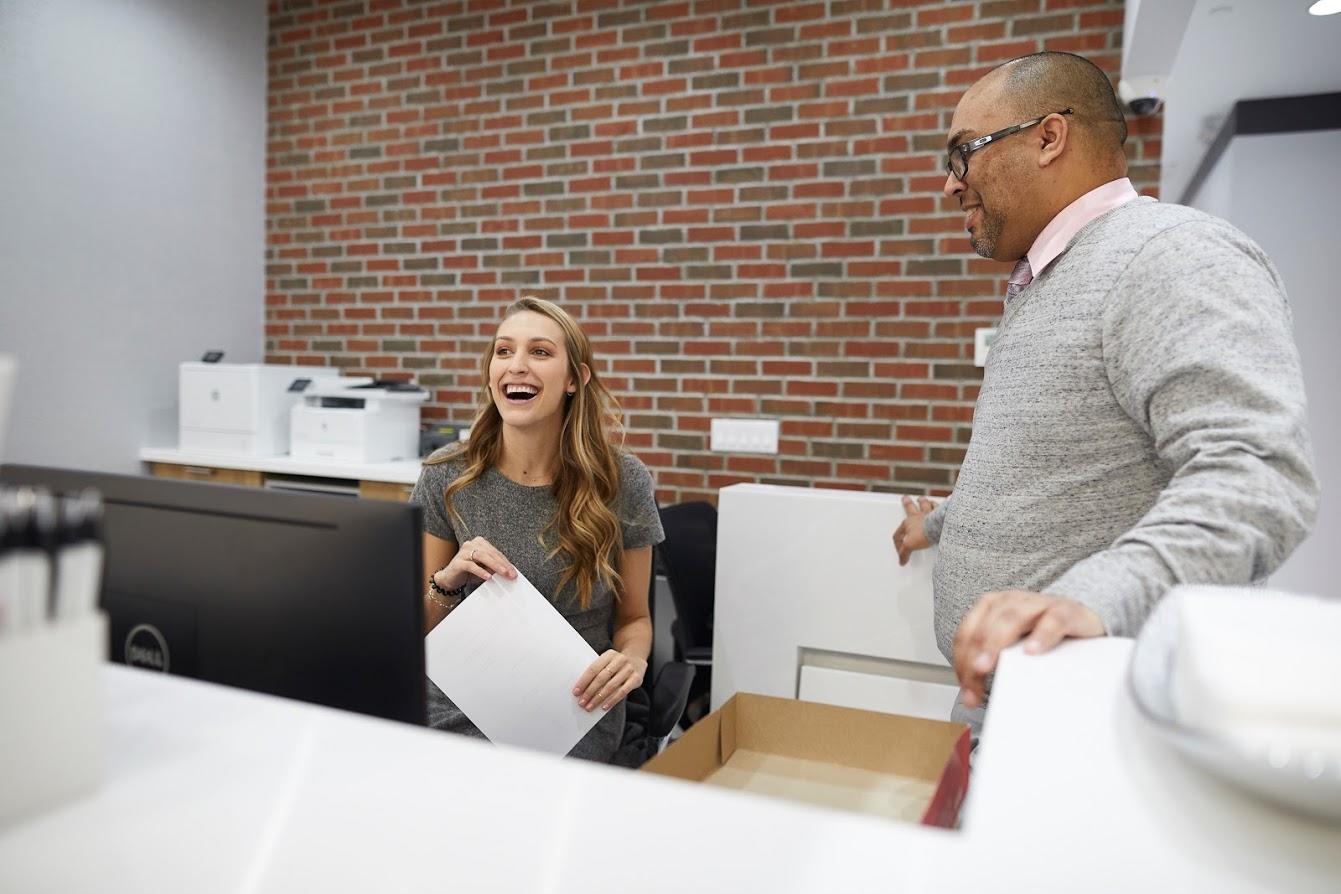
307, 596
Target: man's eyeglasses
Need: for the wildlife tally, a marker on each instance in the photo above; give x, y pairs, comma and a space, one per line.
956, 163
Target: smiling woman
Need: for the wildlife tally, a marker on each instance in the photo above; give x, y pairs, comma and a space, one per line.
543, 486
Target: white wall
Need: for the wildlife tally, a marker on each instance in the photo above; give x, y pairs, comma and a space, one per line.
132, 215
1280, 189
1232, 50
1216, 193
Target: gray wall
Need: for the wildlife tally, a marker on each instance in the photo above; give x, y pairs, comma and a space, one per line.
132, 213
1280, 189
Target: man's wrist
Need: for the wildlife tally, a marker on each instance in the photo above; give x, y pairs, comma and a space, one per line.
1089, 619
932, 523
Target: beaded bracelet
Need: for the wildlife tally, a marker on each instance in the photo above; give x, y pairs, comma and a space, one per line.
438, 594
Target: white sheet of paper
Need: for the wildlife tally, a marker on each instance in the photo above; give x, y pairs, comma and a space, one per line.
509, 660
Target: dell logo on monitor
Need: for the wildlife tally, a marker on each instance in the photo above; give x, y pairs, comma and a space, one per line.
146, 647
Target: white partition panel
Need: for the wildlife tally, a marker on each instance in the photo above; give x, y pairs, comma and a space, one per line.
813, 569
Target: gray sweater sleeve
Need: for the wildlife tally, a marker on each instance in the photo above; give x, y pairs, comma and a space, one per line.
1199, 352
934, 520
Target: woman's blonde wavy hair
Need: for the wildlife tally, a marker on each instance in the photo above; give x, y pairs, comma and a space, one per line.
584, 527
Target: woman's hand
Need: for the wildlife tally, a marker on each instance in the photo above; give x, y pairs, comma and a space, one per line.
611, 677
476, 557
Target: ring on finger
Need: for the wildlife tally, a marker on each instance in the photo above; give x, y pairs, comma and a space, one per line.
473, 554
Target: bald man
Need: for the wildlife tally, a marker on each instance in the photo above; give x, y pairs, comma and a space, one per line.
1141, 420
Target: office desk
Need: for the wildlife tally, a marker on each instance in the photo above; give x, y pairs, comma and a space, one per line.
376, 481
212, 789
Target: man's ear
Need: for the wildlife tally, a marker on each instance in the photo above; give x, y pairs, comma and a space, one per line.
1054, 134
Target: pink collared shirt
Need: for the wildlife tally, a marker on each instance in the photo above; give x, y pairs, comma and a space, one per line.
1059, 232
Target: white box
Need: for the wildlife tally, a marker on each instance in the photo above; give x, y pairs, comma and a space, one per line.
890, 693
51, 719
239, 407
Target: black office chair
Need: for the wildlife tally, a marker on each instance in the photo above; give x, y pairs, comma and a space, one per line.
689, 557
652, 710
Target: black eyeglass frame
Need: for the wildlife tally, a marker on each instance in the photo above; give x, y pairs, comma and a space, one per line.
964, 150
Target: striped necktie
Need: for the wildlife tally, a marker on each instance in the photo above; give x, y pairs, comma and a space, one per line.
1020, 277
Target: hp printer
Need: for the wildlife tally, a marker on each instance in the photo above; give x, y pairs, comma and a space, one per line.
356, 420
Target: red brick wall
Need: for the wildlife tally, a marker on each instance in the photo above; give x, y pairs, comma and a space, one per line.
740, 200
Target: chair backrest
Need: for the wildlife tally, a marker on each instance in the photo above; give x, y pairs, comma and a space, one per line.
689, 555
652, 710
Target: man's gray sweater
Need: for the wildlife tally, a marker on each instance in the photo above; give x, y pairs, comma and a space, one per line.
1141, 424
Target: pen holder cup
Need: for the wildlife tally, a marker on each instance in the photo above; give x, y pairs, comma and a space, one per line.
51, 717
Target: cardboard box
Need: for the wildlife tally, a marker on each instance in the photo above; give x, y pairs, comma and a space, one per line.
903, 768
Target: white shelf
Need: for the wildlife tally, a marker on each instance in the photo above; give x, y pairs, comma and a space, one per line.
399, 472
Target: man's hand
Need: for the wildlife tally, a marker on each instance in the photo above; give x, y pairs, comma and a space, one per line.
909, 536
998, 620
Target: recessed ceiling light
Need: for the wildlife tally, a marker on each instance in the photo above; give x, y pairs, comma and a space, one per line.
1325, 8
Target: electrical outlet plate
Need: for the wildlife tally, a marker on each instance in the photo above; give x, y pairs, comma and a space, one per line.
745, 435
982, 343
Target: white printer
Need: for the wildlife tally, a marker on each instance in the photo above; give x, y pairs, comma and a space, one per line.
356, 420
240, 407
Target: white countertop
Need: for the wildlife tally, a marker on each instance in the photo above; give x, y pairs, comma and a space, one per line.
214, 789
404, 471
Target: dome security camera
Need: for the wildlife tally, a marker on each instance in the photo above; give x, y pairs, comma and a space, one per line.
1142, 95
